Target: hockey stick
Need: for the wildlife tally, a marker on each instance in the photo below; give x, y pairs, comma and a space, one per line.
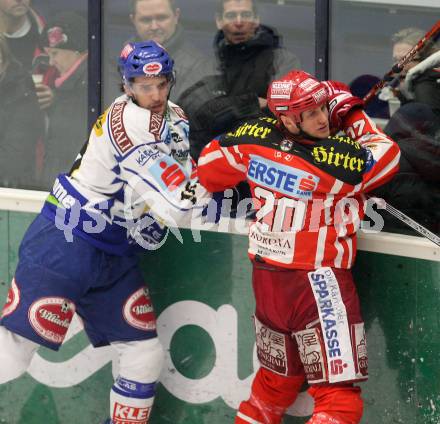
407, 220
398, 67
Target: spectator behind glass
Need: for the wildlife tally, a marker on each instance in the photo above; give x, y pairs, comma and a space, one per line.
158, 20
248, 56
21, 122
419, 84
416, 127
22, 26
65, 42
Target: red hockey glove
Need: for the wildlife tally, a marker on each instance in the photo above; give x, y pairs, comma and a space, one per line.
340, 103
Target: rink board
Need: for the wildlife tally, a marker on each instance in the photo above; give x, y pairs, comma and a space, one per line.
202, 295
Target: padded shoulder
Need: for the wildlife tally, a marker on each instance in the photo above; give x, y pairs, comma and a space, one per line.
261, 131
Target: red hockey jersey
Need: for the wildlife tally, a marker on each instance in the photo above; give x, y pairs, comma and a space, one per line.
308, 194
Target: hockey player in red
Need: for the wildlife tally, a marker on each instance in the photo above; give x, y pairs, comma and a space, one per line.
308, 188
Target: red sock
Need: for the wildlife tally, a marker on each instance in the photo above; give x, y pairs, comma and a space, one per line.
342, 402
271, 395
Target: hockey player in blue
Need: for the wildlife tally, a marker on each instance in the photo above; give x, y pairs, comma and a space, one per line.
132, 179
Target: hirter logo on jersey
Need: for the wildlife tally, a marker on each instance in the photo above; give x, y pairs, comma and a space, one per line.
12, 299
151, 69
138, 311
287, 180
50, 317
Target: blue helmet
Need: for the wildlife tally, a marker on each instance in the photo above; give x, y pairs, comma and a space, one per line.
145, 58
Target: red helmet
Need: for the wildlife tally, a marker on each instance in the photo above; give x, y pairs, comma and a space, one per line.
294, 93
